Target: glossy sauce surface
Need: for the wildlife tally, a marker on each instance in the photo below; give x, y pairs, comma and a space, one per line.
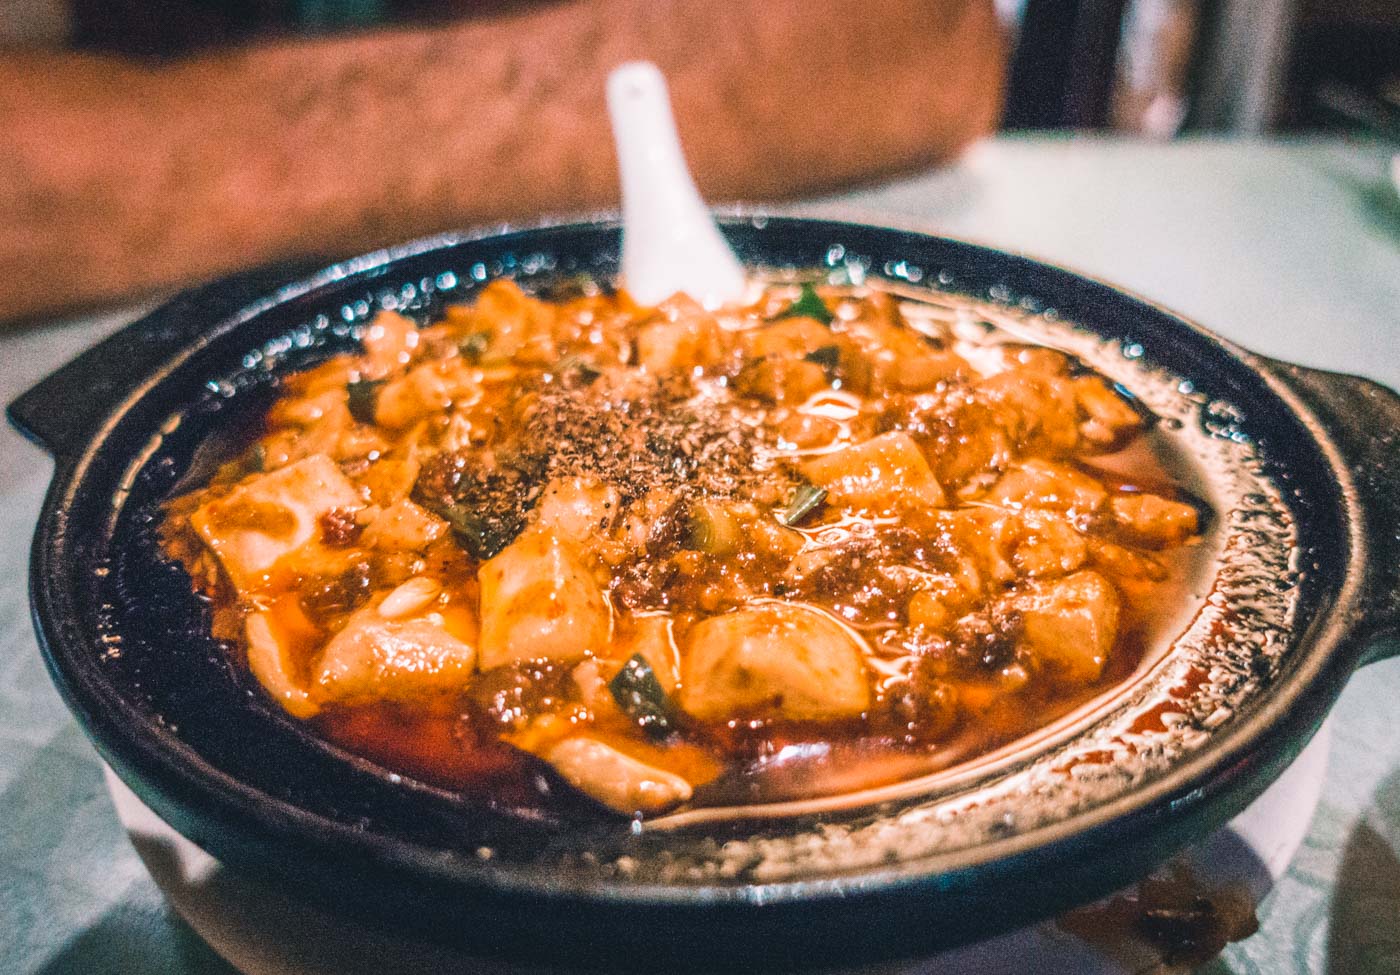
811, 545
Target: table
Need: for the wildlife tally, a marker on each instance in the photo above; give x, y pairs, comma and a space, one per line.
1290, 248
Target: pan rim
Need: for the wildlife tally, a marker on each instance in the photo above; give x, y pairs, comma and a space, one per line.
1278, 720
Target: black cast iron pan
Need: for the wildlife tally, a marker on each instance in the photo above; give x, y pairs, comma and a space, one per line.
1301, 467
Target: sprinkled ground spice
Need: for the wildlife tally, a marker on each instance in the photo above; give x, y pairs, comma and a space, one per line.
659, 435
653, 433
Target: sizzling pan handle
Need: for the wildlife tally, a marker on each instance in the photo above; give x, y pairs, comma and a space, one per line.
1364, 420
63, 411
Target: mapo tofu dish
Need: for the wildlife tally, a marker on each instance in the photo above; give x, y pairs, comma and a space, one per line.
665, 557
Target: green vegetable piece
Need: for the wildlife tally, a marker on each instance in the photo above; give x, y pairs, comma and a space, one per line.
364, 393
808, 305
474, 346
257, 459
637, 691
713, 529
828, 357
805, 500
580, 369
480, 538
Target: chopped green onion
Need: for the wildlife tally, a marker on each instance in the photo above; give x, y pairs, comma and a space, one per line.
808, 305
576, 365
474, 346
828, 357
713, 529
479, 537
641, 696
807, 499
363, 395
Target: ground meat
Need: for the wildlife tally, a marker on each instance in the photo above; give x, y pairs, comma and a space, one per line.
986, 640
339, 528
510, 696
486, 504
326, 598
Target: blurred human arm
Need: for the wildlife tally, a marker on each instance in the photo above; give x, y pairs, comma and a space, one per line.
120, 176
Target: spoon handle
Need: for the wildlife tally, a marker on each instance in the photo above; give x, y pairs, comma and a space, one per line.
670, 243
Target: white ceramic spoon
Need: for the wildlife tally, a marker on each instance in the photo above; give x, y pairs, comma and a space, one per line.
669, 241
